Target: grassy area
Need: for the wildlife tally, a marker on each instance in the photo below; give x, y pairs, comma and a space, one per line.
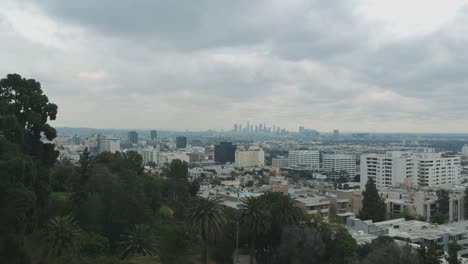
60, 196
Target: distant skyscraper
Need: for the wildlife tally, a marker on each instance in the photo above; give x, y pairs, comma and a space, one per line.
224, 152
181, 142
154, 134
336, 133
133, 137
235, 128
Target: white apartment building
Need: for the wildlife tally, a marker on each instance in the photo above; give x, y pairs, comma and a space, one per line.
435, 169
304, 158
339, 162
397, 168
108, 143
249, 158
280, 162
150, 154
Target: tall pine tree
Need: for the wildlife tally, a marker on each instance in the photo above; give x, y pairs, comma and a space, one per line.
373, 206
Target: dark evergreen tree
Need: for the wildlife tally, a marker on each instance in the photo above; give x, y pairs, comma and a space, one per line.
443, 201
452, 252
373, 206
25, 162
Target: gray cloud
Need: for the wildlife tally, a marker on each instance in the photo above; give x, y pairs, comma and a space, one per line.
207, 64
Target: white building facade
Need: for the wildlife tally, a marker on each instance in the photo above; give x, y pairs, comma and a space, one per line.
304, 158
397, 168
150, 154
108, 143
339, 162
249, 158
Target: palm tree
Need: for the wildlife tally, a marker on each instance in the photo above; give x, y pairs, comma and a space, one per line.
63, 238
140, 241
255, 217
206, 216
284, 209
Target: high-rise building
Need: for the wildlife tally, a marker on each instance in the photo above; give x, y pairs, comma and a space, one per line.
253, 157
397, 168
235, 128
153, 134
224, 152
304, 158
133, 137
181, 142
339, 162
108, 143
336, 133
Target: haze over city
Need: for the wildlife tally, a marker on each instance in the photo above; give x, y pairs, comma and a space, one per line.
393, 66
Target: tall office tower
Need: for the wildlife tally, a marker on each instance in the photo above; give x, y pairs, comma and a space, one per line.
260, 128
256, 128
224, 152
301, 130
339, 162
240, 128
181, 142
153, 134
397, 168
133, 137
235, 128
304, 158
336, 133
253, 157
248, 127
108, 143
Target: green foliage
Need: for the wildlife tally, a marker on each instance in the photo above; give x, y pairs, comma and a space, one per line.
25, 161
340, 245
95, 245
300, 244
452, 252
166, 213
255, 218
443, 201
284, 210
465, 203
139, 241
205, 217
174, 241
431, 254
60, 196
63, 238
439, 218
373, 206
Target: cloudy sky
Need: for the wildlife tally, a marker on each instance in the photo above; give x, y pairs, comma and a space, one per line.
355, 65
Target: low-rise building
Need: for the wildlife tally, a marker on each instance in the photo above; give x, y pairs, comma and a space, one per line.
315, 205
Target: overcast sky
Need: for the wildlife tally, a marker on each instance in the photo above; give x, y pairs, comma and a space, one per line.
364, 65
